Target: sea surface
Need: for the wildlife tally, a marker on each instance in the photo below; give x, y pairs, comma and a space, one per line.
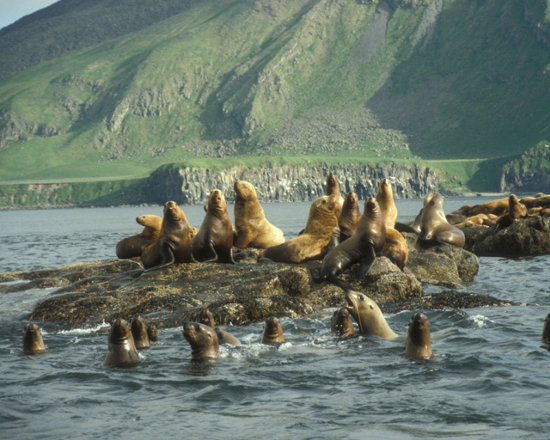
489, 377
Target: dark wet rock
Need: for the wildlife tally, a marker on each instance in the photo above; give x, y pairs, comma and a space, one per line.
525, 237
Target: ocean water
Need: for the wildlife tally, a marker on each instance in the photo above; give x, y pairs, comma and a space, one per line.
488, 377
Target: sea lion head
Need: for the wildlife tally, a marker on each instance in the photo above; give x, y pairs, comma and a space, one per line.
216, 202
323, 211
368, 315
372, 224
332, 186
418, 338
351, 201
202, 339
173, 213
122, 349
139, 333
150, 221
206, 317
32, 340
273, 331
341, 322
245, 190
152, 333
120, 333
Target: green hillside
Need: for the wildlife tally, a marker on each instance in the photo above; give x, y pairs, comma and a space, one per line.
423, 81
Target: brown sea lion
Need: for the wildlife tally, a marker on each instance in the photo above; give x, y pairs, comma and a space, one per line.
341, 323
139, 333
273, 331
152, 333
416, 225
418, 346
369, 238
349, 217
32, 340
215, 238
333, 188
477, 220
546, 330
436, 228
318, 236
174, 243
384, 197
497, 207
516, 210
395, 248
368, 315
133, 246
253, 229
206, 317
203, 341
122, 350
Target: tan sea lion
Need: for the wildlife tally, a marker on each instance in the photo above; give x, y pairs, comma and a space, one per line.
341, 323
546, 330
417, 222
273, 331
206, 317
476, 220
174, 243
384, 197
418, 346
368, 315
361, 247
318, 236
32, 340
349, 217
122, 350
133, 246
152, 333
215, 238
497, 207
253, 229
395, 248
203, 341
516, 210
139, 333
436, 228
333, 188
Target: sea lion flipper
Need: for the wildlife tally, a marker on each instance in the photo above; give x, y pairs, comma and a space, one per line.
226, 257
366, 262
338, 282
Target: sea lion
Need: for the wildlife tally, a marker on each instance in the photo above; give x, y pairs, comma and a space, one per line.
369, 238
203, 341
497, 207
318, 237
333, 188
152, 333
174, 243
215, 238
139, 333
32, 340
349, 217
122, 350
477, 220
273, 331
384, 197
341, 323
436, 228
516, 210
133, 246
206, 317
546, 330
251, 225
416, 225
395, 248
418, 346
368, 315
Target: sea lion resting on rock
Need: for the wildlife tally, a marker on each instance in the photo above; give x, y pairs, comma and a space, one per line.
321, 226
133, 246
516, 210
349, 217
368, 315
477, 220
32, 340
174, 243
122, 350
384, 197
418, 345
252, 228
203, 341
333, 188
139, 333
215, 238
341, 323
436, 228
206, 317
497, 207
416, 225
273, 331
369, 238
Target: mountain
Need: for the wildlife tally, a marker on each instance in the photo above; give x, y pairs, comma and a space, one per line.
109, 89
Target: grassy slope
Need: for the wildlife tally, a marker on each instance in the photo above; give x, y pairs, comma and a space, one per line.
284, 78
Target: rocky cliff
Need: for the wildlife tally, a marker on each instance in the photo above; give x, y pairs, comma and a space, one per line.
528, 173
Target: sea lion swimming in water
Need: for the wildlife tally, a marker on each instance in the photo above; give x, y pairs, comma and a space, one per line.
273, 331
362, 246
203, 341
133, 246
122, 350
32, 340
368, 315
206, 317
139, 333
152, 333
436, 228
215, 237
341, 323
251, 226
418, 346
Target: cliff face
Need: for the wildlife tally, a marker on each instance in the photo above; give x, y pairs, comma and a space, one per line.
528, 173
283, 183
